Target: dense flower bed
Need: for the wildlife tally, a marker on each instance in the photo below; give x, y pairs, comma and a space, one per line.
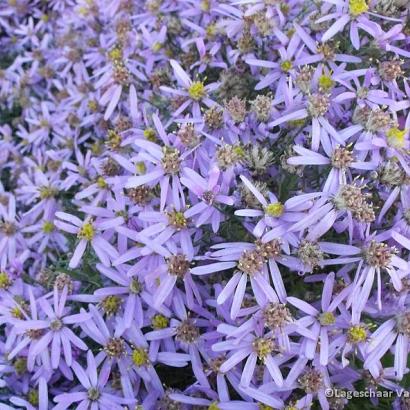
204, 204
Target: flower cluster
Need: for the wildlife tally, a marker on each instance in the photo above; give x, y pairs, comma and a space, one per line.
204, 204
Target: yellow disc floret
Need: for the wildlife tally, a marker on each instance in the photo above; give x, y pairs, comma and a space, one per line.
159, 322
5, 281
16, 312
325, 82
357, 7
20, 365
205, 5
46, 192
115, 54
197, 90
239, 151
150, 134
86, 231
263, 346
156, 47
357, 334
33, 397
276, 209
92, 105
113, 139
140, 357
211, 30
327, 319
177, 219
286, 66
101, 182
264, 407
140, 167
395, 137
111, 304
48, 227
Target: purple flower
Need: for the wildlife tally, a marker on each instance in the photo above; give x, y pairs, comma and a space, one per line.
11, 238
274, 214
209, 193
53, 332
88, 231
92, 392
253, 347
116, 77
353, 11
250, 262
392, 332
41, 397
195, 91
320, 322
203, 204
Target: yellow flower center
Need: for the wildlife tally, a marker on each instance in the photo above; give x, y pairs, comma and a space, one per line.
150, 134
115, 54
83, 11
20, 365
140, 167
284, 8
205, 5
47, 192
286, 65
113, 139
33, 397
156, 47
111, 304
296, 123
5, 281
357, 334
211, 30
197, 90
101, 183
264, 407
135, 286
92, 105
177, 219
159, 322
44, 123
325, 82
357, 7
263, 347
16, 312
275, 209
86, 231
395, 137
213, 406
327, 319
239, 151
93, 394
140, 357
48, 227
96, 149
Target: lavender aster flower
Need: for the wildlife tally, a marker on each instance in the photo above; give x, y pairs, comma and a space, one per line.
54, 331
88, 232
92, 392
204, 204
